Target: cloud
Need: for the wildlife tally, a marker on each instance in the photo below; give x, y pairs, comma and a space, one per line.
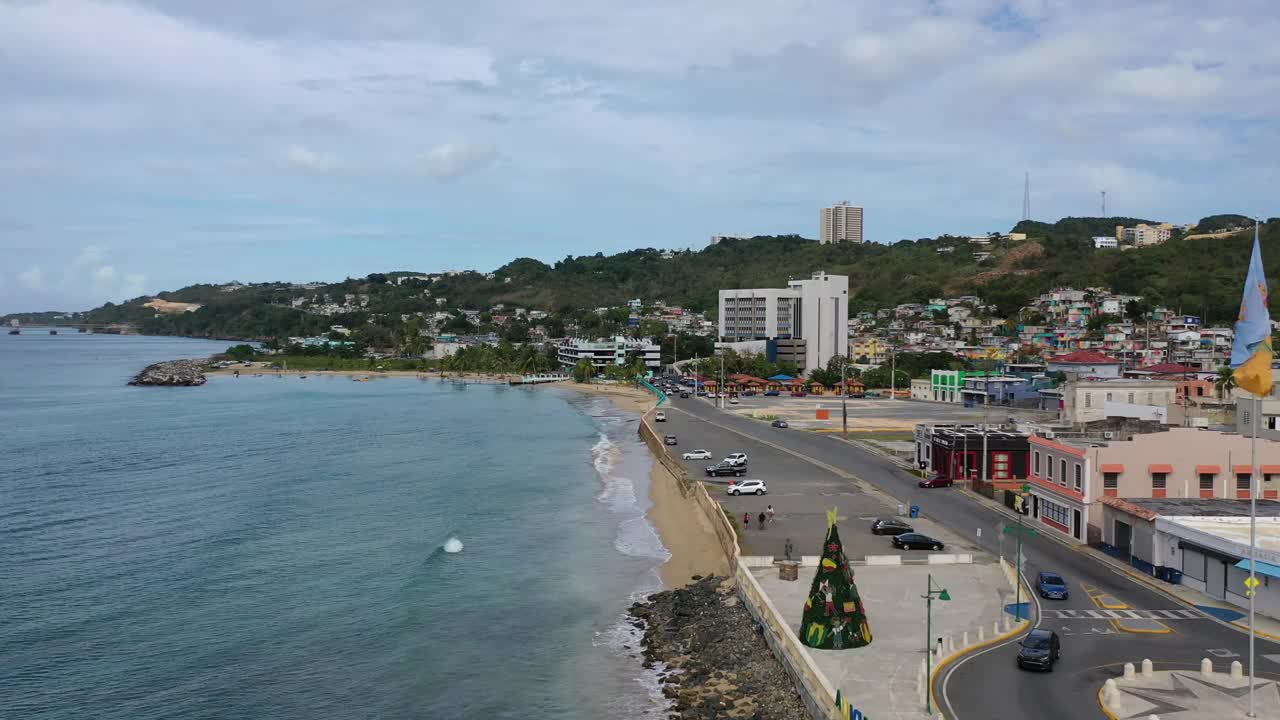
453, 160
32, 278
299, 157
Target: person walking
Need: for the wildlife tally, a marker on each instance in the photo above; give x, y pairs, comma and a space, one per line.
769, 512
761, 520
746, 521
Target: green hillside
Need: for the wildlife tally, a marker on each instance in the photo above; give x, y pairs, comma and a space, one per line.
1201, 276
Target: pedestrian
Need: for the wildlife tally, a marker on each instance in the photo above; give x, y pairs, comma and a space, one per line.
770, 513
746, 521
762, 520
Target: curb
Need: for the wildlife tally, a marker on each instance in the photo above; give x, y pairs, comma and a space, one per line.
1019, 628
1110, 715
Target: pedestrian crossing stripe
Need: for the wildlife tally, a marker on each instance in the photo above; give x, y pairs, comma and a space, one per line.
1179, 614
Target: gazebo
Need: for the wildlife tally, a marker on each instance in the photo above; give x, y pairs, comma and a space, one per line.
850, 387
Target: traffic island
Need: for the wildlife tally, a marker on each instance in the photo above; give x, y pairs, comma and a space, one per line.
1184, 694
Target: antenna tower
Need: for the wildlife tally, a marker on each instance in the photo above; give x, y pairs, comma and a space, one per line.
1104, 203
1026, 196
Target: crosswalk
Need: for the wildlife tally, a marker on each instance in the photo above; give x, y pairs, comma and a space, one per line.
1180, 614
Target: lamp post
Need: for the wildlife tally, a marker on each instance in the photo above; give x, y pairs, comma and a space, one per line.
844, 397
928, 641
1018, 531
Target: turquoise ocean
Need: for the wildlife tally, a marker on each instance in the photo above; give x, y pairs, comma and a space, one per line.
265, 547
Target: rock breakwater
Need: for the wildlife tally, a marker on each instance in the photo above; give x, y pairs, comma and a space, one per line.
176, 373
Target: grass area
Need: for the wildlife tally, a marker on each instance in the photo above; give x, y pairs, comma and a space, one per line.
886, 436
325, 362
764, 417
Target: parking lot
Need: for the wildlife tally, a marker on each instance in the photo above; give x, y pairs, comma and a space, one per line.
866, 415
801, 494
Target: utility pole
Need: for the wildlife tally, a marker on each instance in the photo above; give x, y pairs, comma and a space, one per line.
720, 387
1018, 531
893, 372
928, 639
844, 396
1104, 203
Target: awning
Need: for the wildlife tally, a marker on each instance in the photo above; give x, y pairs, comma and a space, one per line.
1260, 568
1271, 469
1115, 469
1242, 469
1208, 469
1160, 468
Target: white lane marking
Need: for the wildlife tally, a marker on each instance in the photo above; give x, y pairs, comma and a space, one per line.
1189, 613
1273, 658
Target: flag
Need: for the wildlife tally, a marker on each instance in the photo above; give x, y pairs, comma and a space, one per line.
1251, 353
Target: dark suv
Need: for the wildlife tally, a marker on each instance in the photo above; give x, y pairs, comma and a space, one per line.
1038, 650
889, 526
724, 468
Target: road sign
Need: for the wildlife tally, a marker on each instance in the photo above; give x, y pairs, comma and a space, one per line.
1015, 529
1251, 583
1026, 487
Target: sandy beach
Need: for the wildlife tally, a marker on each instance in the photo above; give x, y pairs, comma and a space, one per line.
371, 374
685, 530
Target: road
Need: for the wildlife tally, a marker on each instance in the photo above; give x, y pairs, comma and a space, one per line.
987, 685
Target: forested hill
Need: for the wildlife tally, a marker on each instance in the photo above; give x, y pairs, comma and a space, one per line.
1201, 276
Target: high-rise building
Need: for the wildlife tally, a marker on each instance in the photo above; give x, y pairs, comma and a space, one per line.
841, 222
815, 310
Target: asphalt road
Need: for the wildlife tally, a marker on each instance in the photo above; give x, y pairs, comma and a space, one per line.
987, 685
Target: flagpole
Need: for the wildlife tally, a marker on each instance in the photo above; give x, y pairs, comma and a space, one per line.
1253, 519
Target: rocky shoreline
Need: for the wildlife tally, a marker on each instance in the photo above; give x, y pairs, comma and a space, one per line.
717, 662
172, 373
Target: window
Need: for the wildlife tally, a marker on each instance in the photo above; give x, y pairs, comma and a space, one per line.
1206, 481
1078, 476
1266, 478
1150, 399
1055, 513
1062, 476
1243, 481
1088, 399
1108, 397
1110, 481
1130, 398
1048, 464
1158, 480
1199, 392
1036, 462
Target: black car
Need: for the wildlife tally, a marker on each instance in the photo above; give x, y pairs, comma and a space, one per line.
890, 526
1038, 650
779, 424
724, 468
684, 394
916, 541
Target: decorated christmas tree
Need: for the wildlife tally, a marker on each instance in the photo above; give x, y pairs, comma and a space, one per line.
834, 616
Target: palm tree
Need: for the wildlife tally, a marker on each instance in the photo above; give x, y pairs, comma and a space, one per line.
1225, 382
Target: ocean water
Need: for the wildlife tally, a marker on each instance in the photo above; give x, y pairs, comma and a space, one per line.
273, 547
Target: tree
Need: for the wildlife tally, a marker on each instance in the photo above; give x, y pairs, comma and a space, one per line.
834, 616
583, 371
240, 353
1225, 381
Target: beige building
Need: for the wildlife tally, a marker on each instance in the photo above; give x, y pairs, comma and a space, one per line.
921, 389
1086, 401
1069, 477
841, 222
874, 349
1142, 234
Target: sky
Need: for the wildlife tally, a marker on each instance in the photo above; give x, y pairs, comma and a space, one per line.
145, 146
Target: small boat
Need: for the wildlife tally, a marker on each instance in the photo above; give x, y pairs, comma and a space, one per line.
362, 378
302, 377
14, 332
53, 332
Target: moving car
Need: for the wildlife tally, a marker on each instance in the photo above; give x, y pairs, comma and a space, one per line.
747, 487
733, 401
697, 455
935, 480
890, 526
736, 459
799, 393
771, 393
670, 440
723, 468
779, 424
916, 541
1052, 586
662, 417
1039, 650
748, 393
684, 394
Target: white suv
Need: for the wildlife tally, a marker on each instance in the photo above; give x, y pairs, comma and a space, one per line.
660, 417
736, 459
747, 487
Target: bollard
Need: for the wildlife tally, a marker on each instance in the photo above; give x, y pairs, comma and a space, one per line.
1008, 624
1237, 670
1153, 717
1128, 671
1206, 667
982, 631
951, 644
964, 639
1109, 693
1147, 669
995, 628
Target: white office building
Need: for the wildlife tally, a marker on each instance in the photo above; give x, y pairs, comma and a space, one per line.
1104, 241
609, 351
815, 310
841, 222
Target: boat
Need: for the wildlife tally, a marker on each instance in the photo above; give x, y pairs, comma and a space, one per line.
302, 377
14, 332
362, 378
53, 332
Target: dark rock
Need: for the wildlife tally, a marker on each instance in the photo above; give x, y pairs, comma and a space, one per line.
174, 373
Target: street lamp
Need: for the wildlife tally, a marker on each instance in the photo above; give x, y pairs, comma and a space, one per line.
928, 641
1019, 531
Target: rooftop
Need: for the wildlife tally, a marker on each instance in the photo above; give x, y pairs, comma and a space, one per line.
1167, 369
1181, 508
1084, 357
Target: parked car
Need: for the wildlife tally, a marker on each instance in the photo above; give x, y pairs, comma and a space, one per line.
684, 393
747, 487
798, 393
780, 424
935, 480
722, 468
702, 393
916, 541
670, 440
1039, 650
771, 393
697, 455
748, 393
733, 401
660, 417
890, 526
1052, 586
736, 459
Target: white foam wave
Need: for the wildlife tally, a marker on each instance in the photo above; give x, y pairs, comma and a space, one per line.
638, 538
626, 639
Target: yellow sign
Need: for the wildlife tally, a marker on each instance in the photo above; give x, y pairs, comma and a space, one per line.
1251, 583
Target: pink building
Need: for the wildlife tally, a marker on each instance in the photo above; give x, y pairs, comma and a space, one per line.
1069, 477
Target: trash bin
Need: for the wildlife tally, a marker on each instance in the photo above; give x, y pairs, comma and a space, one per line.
915, 511
1175, 576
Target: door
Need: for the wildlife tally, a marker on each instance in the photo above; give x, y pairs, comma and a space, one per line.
1124, 538
1076, 530
1215, 581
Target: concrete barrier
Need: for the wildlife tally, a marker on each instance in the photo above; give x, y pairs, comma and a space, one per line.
884, 560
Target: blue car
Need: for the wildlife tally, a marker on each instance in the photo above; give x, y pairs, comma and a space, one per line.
1052, 586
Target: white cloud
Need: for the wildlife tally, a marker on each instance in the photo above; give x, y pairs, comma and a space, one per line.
453, 160
105, 275
32, 278
920, 47
132, 285
302, 158
1168, 83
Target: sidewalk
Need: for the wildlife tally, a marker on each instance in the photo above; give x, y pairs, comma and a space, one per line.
881, 679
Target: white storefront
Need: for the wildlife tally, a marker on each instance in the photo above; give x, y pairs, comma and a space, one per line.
1212, 553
